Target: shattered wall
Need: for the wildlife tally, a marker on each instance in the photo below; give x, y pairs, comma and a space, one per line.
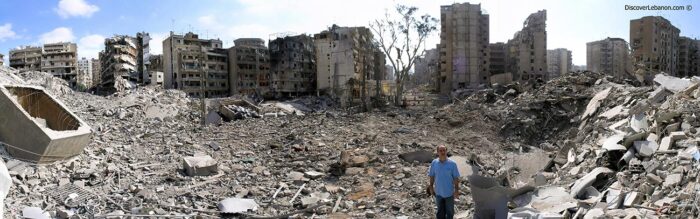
118, 62
528, 50
292, 65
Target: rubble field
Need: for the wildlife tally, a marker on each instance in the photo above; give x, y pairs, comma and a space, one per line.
579, 146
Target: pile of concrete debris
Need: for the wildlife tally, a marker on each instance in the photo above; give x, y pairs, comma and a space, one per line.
579, 145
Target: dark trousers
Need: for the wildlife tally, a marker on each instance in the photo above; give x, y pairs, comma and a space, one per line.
445, 207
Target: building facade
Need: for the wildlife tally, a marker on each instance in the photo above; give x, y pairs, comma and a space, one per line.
464, 42
61, 60
26, 58
654, 43
249, 66
96, 72
85, 73
119, 63
292, 65
184, 67
346, 58
609, 56
528, 50
558, 62
688, 59
2, 59
426, 67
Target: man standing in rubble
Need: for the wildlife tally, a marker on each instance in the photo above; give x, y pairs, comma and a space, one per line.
444, 183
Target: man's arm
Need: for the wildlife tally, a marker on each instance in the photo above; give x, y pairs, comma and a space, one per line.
456, 192
431, 186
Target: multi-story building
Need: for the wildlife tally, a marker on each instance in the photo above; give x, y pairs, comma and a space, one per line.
85, 72
143, 53
654, 43
26, 58
558, 62
186, 58
426, 67
155, 69
688, 59
119, 63
292, 65
498, 58
608, 56
96, 72
528, 50
61, 60
249, 66
2, 59
464, 42
346, 58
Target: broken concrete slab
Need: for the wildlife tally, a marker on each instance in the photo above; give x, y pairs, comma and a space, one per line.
614, 112
672, 180
37, 127
645, 148
5, 184
200, 165
596, 175
659, 95
490, 198
638, 122
35, 213
612, 143
593, 105
665, 144
547, 199
632, 198
315, 198
237, 205
671, 83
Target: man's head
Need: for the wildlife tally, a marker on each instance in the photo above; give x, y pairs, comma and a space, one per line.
442, 152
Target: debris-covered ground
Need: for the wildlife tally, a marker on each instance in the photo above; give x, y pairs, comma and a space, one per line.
556, 149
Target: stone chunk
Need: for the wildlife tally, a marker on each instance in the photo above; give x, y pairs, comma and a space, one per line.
645, 148
654, 179
200, 165
665, 144
672, 180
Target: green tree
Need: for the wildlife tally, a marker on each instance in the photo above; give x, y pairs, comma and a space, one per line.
401, 35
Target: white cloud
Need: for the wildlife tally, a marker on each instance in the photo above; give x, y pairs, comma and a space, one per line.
75, 8
61, 34
156, 44
89, 46
207, 20
6, 32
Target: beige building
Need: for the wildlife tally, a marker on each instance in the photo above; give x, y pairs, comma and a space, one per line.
186, 58
61, 60
249, 65
464, 42
609, 56
558, 62
344, 56
119, 63
528, 50
292, 65
96, 72
85, 73
688, 59
654, 43
26, 58
155, 69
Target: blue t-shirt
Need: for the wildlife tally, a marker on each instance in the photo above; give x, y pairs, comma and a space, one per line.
445, 173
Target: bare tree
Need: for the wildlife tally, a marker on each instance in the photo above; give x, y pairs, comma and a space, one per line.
401, 37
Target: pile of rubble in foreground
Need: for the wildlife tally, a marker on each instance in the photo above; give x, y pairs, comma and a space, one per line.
578, 146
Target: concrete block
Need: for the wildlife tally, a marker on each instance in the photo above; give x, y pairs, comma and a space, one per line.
672, 180
675, 136
671, 83
200, 165
659, 95
645, 148
632, 198
665, 144
38, 127
654, 179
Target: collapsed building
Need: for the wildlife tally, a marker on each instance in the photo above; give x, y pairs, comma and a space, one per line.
528, 50
347, 61
426, 67
292, 66
155, 69
26, 58
609, 56
464, 42
558, 62
249, 66
184, 58
118, 63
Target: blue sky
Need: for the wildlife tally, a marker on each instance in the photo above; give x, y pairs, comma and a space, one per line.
570, 24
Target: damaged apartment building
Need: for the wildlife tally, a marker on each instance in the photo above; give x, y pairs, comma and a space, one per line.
155, 69
688, 57
527, 50
558, 62
85, 73
609, 56
654, 43
426, 68
249, 64
199, 67
347, 58
292, 66
122, 63
59, 59
464, 42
